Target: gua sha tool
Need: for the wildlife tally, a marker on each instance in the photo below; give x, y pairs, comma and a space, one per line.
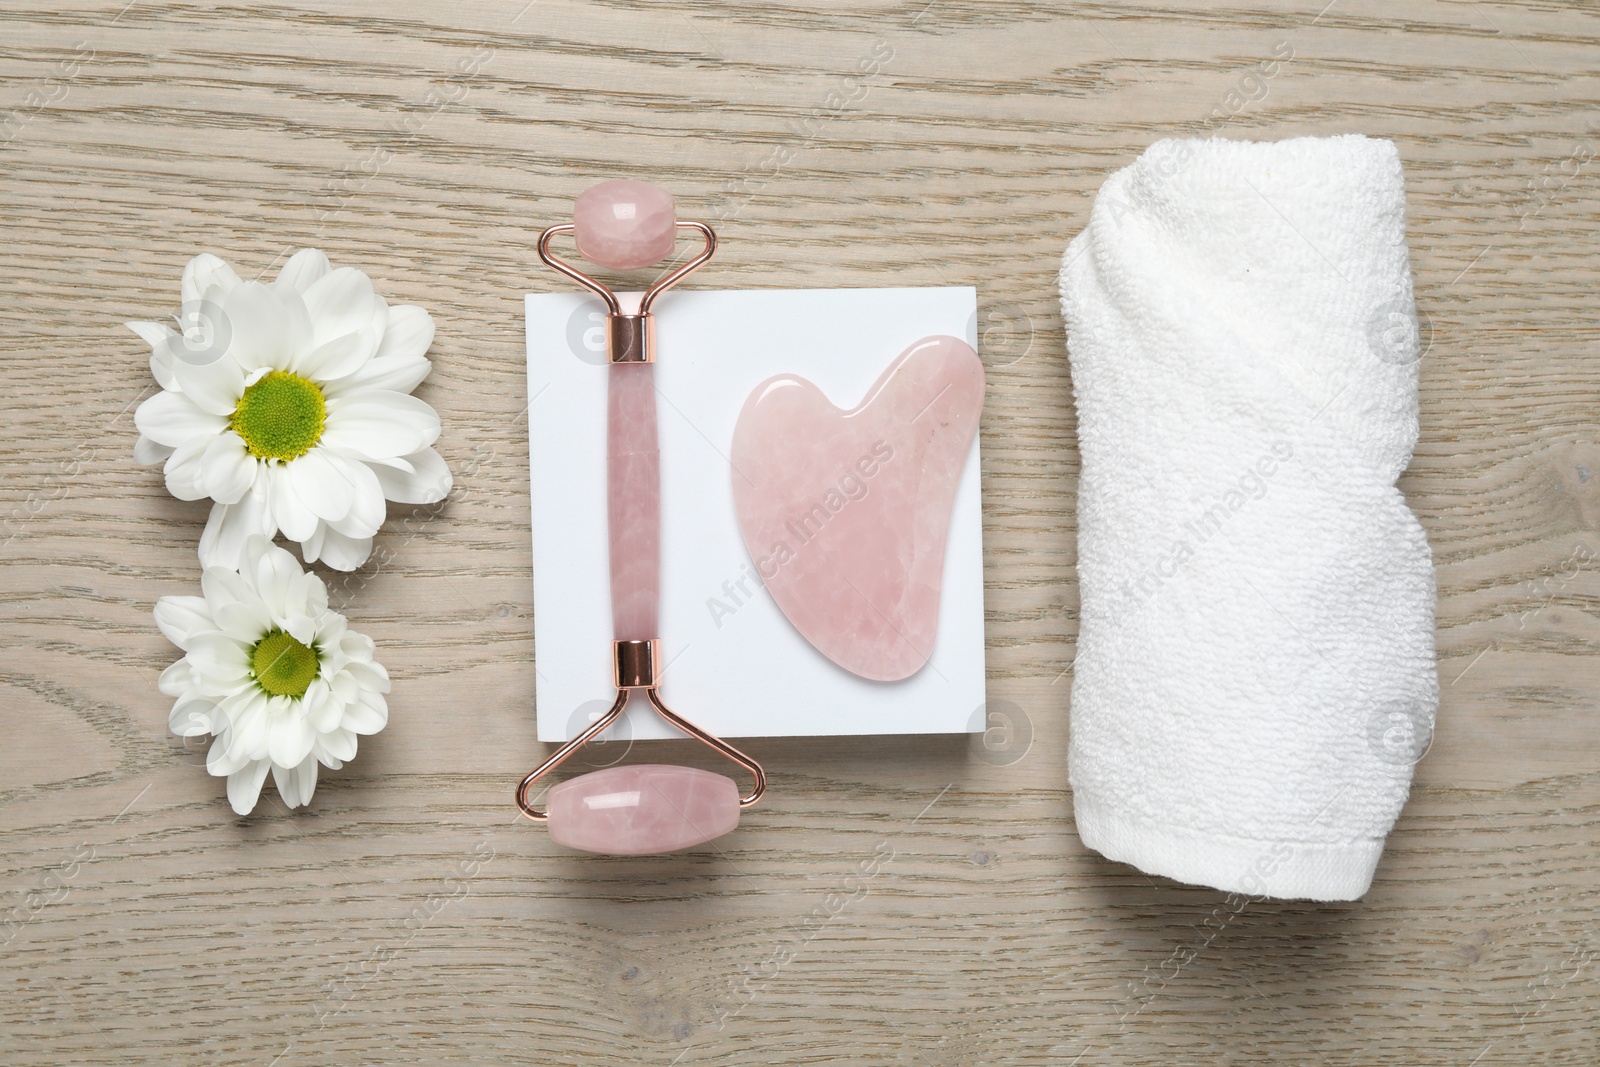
638, 810
846, 513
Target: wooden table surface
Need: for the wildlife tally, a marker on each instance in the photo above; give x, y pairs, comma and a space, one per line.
406, 917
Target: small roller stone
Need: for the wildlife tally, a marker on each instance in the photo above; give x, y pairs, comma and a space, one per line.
625, 225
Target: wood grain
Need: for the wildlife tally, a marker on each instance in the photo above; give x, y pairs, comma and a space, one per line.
405, 919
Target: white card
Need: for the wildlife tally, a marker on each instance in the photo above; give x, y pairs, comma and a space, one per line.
735, 664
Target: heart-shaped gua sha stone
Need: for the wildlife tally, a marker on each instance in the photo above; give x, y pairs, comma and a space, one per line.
846, 513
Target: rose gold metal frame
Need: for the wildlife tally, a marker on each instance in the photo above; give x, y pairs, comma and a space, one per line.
567, 750
631, 339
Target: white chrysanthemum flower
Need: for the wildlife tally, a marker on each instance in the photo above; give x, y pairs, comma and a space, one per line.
273, 675
288, 403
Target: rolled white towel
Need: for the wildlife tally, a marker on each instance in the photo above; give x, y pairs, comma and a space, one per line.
1255, 670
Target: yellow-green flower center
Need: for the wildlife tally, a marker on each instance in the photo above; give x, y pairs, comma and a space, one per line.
283, 666
281, 416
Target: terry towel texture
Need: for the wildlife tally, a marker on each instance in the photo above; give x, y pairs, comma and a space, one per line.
1255, 670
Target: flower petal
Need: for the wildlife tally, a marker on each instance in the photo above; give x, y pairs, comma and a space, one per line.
297, 783
398, 364
183, 469
223, 758
250, 724
294, 600
229, 468
266, 327
176, 680
203, 272
311, 547
343, 553
338, 745
315, 595
218, 656
335, 358
289, 739
283, 587
303, 269
428, 482
321, 484
339, 302
358, 648
147, 453
408, 335
307, 773
332, 629
161, 368
399, 374
222, 543
323, 713
378, 423
214, 386
193, 718
244, 620
169, 418
182, 617
272, 572
301, 628
227, 694
370, 676
379, 323
367, 715
289, 513
367, 508
223, 586
244, 785
399, 463
152, 333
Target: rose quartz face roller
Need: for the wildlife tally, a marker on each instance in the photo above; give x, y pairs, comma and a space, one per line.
637, 810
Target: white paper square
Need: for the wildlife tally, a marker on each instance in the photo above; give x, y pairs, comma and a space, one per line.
749, 673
